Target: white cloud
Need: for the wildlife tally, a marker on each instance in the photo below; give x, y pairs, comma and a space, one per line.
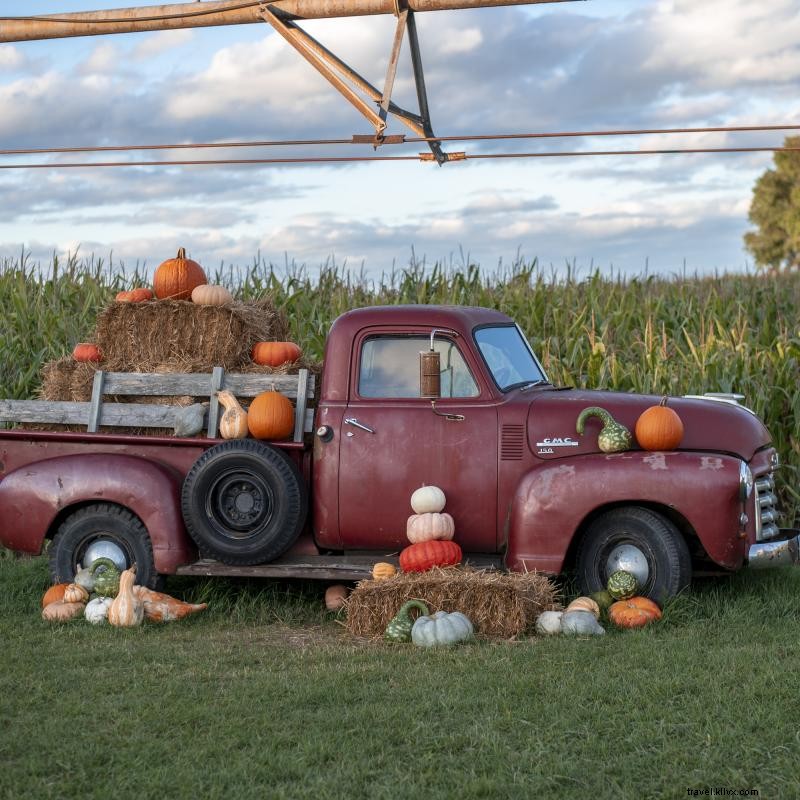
162, 42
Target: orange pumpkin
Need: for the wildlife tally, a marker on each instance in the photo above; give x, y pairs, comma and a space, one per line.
87, 352
134, 295
176, 277
335, 597
423, 556
270, 416
659, 428
635, 612
273, 354
383, 571
54, 594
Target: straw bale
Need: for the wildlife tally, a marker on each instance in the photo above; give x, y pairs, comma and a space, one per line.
146, 337
57, 378
500, 604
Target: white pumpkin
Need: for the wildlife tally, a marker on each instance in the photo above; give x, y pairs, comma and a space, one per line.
426, 527
442, 628
427, 499
96, 610
549, 622
581, 622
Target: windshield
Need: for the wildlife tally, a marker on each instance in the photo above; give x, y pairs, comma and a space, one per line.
508, 356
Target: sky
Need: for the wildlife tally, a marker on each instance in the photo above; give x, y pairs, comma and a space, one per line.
595, 65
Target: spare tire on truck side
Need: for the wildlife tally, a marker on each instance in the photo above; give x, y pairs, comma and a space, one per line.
244, 502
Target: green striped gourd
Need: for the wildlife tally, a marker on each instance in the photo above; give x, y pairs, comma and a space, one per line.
399, 629
613, 438
622, 585
106, 577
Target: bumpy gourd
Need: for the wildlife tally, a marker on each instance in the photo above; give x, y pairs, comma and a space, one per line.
613, 438
442, 629
160, 607
622, 585
399, 629
106, 577
126, 610
233, 424
96, 610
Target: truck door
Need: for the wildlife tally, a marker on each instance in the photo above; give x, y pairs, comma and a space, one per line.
392, 442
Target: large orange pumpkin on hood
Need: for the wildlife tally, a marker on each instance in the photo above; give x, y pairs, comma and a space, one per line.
176, 277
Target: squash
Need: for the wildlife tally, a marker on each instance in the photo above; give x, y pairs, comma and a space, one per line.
96, 610
233, 424
383, 571
270, 416
399, 628
428, 499
61, 611
585, 604
582, 623
106, 577
635, 612
75, 593
176, 278
87, 352
208, 294
430, 526
442, 629
335, 597
126, 610
273, 354
603, 599
549, 622
659, 428
83, 577
54, 594
160, 607
189, 420
139, 295
425, 555
613, 437
622, 585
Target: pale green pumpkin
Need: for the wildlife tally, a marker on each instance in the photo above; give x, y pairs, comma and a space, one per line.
442, 629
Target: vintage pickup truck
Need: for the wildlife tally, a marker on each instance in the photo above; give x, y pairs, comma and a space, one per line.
526, 491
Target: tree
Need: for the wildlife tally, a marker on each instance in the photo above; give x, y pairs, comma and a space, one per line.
775, 210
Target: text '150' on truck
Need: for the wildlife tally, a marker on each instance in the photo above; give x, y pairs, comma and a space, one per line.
410, 395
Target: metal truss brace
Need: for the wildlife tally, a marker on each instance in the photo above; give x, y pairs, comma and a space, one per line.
343, 77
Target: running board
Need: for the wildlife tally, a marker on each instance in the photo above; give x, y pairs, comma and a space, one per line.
344, 568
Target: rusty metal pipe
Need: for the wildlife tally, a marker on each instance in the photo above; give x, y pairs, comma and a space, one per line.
216, 12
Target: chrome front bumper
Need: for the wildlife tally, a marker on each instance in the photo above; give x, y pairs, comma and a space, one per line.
777, 552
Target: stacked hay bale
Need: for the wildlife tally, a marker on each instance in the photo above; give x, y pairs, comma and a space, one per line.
499, 604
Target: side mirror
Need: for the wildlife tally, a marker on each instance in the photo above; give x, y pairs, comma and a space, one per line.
429, 367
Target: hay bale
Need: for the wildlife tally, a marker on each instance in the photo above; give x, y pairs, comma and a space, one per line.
147, 337
502, 604
57, 379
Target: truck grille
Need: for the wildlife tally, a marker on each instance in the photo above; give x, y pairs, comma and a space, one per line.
766, 508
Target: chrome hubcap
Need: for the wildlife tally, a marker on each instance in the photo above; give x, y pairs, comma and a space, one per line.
105, 548
631, 559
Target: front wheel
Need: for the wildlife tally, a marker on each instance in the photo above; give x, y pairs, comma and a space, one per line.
639, 541
103, 530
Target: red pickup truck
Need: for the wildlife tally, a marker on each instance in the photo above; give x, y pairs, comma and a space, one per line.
526, 491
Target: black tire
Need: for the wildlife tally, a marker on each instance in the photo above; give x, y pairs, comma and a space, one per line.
659, 541
244, 502
103, 522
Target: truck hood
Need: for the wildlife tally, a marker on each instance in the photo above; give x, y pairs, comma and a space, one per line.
709, 425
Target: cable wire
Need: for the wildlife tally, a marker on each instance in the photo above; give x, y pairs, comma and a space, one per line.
400, 139
420, 157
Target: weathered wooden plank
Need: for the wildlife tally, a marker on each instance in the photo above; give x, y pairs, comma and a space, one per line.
97, 399
56, 412
217, 378
200, 384
300, 410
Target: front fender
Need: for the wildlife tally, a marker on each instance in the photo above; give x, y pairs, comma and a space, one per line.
552, 501
33, 496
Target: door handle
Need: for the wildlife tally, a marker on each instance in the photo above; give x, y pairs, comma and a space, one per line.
356, 424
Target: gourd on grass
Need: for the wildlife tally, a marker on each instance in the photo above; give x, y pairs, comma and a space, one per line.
126, 610
622, 585
399, 628
97, 610
442, 629
106, 577
581, 623
61, 611
635, 612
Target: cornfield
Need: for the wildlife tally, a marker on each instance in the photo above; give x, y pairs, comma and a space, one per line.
654, 334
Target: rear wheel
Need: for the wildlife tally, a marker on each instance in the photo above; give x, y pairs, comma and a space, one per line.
103, 530
641, 542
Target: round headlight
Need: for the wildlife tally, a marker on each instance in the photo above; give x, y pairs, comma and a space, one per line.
746, 482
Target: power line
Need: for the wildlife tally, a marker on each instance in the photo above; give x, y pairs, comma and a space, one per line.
420, 157
394, 140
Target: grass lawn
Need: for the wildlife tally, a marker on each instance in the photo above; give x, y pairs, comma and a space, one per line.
266, 696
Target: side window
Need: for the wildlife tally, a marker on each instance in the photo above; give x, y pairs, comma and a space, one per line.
390, 367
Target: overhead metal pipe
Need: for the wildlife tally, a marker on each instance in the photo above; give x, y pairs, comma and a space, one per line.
217, 12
